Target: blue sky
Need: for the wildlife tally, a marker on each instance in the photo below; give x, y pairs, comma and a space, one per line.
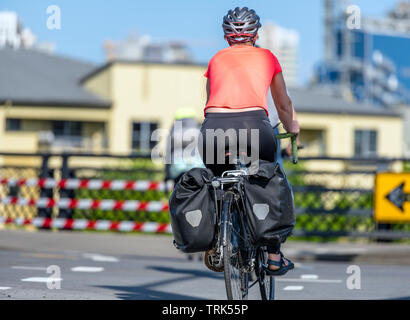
87, 23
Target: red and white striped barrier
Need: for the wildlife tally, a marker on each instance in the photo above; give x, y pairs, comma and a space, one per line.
92, 184
84, 204
83, 224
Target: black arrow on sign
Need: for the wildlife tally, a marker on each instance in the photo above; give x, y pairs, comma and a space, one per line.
398, 197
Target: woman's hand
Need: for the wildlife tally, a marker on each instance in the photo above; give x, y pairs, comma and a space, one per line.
295, 130
294, 127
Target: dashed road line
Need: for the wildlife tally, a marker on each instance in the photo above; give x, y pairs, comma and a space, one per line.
309, 276
41, 279
100, 257
28, 268
87, 269
303, 266
47, 256
309, 280
5, 288
293, 288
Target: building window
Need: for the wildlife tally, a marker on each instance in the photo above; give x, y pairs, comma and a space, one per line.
67, 128
141, 135
13, 124
313, 141
365, 143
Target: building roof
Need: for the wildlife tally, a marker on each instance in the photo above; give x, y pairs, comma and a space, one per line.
30, 77
313, 101
106, 65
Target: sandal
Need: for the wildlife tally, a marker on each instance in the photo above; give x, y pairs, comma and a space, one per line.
283, 269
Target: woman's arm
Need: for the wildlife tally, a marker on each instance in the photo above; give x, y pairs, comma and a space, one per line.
283, 104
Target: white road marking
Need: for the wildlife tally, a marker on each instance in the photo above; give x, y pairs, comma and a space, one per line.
340, 250
40, 279
100, 257
303, 266
293, 288
87, 269
5, 288
309, 280
309, 276
28, 268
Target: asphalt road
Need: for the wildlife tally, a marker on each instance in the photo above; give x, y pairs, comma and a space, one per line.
111, 266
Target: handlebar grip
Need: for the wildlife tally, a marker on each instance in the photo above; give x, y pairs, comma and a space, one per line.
294, 150
292, 137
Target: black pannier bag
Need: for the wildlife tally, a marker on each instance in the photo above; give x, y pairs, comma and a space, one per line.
192, 212
269, 205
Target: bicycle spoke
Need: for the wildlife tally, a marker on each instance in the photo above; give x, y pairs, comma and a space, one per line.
255, 282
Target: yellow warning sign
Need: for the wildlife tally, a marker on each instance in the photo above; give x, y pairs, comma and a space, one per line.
392, 197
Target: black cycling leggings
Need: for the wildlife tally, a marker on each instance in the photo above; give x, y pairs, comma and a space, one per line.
234, 122
265, 149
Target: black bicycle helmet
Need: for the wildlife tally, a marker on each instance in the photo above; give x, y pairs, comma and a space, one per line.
241, 25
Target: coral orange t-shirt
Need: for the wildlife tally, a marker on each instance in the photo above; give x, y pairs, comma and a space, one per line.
240, 77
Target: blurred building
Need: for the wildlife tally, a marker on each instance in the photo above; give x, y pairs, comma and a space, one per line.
145, 49
14, 35
44, 104
332, 126
60, 104
371, 62
284, 43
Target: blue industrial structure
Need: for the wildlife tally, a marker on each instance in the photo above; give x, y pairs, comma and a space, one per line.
373, 61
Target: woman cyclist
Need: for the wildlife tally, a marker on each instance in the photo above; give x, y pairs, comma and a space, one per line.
239, 78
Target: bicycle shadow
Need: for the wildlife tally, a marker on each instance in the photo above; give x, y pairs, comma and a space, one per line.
145, 293
148, 291
194, 273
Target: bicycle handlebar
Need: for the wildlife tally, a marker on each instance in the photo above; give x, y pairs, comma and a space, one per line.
292, 137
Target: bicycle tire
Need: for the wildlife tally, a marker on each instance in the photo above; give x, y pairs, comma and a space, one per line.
236, 281
266, 283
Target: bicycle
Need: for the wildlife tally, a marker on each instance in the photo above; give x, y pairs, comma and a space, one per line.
244, 264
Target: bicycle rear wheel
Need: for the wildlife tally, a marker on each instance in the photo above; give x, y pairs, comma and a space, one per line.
236, 280
266, 283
